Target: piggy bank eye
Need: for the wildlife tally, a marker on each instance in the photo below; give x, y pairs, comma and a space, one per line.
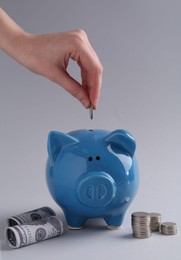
90, 158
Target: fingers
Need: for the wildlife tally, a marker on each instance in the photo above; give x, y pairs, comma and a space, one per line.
91, 67
62, 78
92, 82
52, 62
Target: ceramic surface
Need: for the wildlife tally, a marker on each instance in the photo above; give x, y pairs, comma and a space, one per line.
92, 174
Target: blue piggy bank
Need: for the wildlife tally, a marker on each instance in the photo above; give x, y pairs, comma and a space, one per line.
92, 174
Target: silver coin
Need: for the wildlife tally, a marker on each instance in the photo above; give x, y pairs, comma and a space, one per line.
143, 231
140, 214
141, 227
141, 224
154, 215
91, 112
169, 224
140, 221
142, 236
155, 221
169, 228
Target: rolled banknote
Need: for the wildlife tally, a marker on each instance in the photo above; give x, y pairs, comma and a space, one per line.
36, 231
30, 216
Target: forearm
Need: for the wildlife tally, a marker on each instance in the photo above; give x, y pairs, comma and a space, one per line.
11, 35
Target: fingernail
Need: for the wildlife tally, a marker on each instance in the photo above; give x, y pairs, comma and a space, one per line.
95, 103
85, 103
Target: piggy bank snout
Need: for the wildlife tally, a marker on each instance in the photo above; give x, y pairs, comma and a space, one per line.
96, 189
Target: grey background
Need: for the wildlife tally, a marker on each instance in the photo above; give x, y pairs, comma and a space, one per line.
138, 43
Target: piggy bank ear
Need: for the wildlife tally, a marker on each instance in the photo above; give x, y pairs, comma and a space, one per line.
122, 139
57, 140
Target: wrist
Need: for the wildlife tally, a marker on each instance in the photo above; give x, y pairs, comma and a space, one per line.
13, 37
15, 43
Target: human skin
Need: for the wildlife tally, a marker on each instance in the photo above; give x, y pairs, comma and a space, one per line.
49, 54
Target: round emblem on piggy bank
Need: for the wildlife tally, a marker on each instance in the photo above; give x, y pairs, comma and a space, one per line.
91, 173
97, 189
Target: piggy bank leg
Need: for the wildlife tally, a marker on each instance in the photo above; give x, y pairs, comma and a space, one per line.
75, 222
114, 222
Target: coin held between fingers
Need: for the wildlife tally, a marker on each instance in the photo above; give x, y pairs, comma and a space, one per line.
91, 112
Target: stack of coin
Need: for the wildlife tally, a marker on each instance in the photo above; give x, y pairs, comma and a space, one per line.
169, 228
155, 222
141, 224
